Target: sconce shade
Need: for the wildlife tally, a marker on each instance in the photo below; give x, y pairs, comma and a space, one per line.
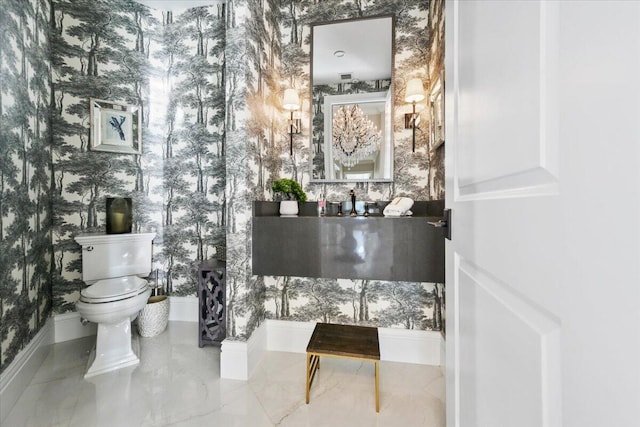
291, 100
414, 91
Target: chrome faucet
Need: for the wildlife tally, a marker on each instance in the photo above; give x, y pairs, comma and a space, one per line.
353, 203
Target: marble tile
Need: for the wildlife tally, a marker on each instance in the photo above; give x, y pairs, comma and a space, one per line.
64, 360
178, 384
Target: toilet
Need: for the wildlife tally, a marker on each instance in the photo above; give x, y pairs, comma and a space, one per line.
113, 265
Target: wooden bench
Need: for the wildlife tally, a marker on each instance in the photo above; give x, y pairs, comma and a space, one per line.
346, 341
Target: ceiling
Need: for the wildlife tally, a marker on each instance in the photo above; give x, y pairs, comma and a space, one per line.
367, 46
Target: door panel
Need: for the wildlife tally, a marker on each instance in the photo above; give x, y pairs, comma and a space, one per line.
505, 193
542, 113
520, 383
507, 109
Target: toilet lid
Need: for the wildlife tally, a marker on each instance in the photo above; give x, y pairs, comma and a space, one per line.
114, 289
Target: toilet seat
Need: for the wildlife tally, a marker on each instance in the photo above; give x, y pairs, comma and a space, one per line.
115, 289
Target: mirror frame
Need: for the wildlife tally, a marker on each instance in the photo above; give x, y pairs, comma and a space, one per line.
391, 90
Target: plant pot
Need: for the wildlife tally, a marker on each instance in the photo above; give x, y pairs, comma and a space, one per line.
153, 318
289, 207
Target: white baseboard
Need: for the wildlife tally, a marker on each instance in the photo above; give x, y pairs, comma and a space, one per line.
17, 376
68, 327
184, 309
234, 360
238, 359
396, 345
410, 346
257, 348
284, 335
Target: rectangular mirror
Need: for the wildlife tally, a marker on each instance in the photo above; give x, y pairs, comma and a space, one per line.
352, 117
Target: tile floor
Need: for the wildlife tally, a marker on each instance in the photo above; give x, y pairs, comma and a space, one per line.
179, 384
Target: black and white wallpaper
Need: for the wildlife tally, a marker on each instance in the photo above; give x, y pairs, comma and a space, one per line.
209, 82
171, 64
26, 187
273, 38
58, 54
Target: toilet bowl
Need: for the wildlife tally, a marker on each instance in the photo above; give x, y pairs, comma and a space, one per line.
112, 266
113, 304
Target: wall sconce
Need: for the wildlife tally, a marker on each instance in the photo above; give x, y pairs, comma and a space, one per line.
413, 93
291, 103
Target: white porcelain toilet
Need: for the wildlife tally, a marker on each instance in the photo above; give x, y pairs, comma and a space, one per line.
113, 265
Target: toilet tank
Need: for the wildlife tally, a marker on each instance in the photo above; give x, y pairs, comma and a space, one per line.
105, 256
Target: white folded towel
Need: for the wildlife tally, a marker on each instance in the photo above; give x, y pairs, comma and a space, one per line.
398, 207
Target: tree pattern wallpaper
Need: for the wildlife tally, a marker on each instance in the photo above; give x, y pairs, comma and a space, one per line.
273, 39
209, 82
171, 64
25, 174
56, 55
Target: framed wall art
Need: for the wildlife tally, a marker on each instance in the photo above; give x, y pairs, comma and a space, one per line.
115, 127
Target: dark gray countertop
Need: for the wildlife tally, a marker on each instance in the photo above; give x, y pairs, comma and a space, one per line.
375, 247
433, 208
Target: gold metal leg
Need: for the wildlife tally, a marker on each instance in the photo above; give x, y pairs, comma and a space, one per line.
308, 375
377, 386
313, 364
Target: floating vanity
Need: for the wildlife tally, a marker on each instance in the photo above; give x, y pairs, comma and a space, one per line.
373, 247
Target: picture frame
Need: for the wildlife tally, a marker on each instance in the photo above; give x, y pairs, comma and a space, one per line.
115, 127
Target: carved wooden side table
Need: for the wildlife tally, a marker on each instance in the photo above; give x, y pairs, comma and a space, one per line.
212, 319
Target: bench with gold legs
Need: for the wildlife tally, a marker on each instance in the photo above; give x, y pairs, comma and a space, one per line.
346, 341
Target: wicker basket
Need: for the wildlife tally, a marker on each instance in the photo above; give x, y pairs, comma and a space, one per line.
153, 318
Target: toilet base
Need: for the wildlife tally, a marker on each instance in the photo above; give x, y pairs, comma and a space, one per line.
113, 350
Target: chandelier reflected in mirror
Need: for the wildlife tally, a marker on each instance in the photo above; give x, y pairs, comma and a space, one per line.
355, 137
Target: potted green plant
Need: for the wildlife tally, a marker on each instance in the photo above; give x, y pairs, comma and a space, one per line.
289, 192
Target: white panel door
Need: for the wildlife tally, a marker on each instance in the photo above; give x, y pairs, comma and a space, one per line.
542, 161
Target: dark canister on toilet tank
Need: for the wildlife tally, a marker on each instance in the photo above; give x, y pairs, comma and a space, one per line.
119, 215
